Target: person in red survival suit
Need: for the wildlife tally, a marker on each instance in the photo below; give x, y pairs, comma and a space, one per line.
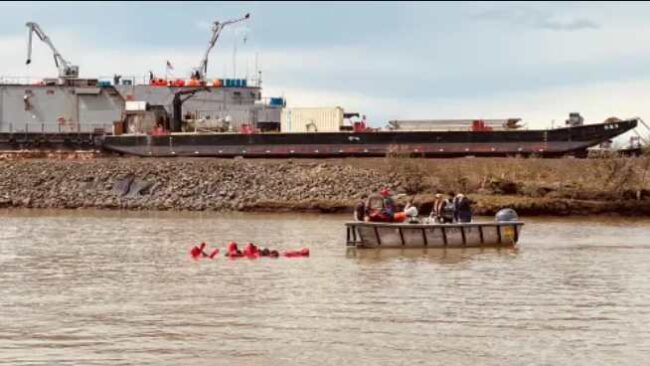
199, 251
251, 251
382, 208
232, 251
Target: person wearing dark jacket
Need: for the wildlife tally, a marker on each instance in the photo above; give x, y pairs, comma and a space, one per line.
463, 206
360, 210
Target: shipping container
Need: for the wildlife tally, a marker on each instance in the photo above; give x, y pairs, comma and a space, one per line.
326, 119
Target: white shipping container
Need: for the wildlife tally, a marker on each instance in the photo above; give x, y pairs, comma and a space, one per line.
327, 119
136, 105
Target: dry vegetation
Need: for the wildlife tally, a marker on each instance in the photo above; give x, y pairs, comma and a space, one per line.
544, 186
599, 179
530, 185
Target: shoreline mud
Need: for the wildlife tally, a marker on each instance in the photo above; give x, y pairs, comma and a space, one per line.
533, 187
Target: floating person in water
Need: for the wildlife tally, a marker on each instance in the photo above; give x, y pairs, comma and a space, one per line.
250, 251
198, 251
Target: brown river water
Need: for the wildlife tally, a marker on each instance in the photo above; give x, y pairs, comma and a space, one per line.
111, 288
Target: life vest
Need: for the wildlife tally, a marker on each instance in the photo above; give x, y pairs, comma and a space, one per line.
448, 210
438, 206
233, 251
304, 252
251, 251
399, 217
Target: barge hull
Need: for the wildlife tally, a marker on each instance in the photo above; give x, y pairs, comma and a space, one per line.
50, 141
548, 143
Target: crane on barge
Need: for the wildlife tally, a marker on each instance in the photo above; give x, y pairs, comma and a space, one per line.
66, 69
177, 106
201, 71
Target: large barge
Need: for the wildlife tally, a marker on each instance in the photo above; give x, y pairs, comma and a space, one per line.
546, 143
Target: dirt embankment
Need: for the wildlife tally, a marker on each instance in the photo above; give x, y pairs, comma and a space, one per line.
530, 186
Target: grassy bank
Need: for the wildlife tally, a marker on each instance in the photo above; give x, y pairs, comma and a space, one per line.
531, 186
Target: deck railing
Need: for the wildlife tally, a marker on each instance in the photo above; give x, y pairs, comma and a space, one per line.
42, 127
123, 80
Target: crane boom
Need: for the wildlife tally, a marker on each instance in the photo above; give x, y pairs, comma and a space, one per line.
201, 71
66, 69
177, 105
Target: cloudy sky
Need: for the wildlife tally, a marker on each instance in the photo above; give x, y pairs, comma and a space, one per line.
536, 61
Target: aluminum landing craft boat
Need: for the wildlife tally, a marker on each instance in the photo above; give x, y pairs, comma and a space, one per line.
400, 235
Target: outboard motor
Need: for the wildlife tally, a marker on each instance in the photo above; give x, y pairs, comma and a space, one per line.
506, 215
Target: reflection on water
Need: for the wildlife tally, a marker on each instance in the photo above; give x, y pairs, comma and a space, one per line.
106, 288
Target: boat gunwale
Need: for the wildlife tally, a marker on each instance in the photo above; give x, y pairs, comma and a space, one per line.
354, 237
424, 226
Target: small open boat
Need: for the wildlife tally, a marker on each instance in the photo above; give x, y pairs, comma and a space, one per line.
398, 235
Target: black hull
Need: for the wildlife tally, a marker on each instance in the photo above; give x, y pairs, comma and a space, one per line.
45, 141
547, 143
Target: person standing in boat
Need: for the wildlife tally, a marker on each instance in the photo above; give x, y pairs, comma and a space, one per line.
411, 212
389, 203
436, 209
361, 210
463, 208
442, 211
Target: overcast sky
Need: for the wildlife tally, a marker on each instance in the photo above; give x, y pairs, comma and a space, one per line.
536, 61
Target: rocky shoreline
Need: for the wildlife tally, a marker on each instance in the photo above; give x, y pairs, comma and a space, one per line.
328, 186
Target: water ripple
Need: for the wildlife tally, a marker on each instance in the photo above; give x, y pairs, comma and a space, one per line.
118, 288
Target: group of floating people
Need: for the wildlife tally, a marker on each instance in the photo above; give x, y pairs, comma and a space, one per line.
250, 251
381, 207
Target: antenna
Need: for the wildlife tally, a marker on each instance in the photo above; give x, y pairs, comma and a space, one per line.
234, 59
257, 69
